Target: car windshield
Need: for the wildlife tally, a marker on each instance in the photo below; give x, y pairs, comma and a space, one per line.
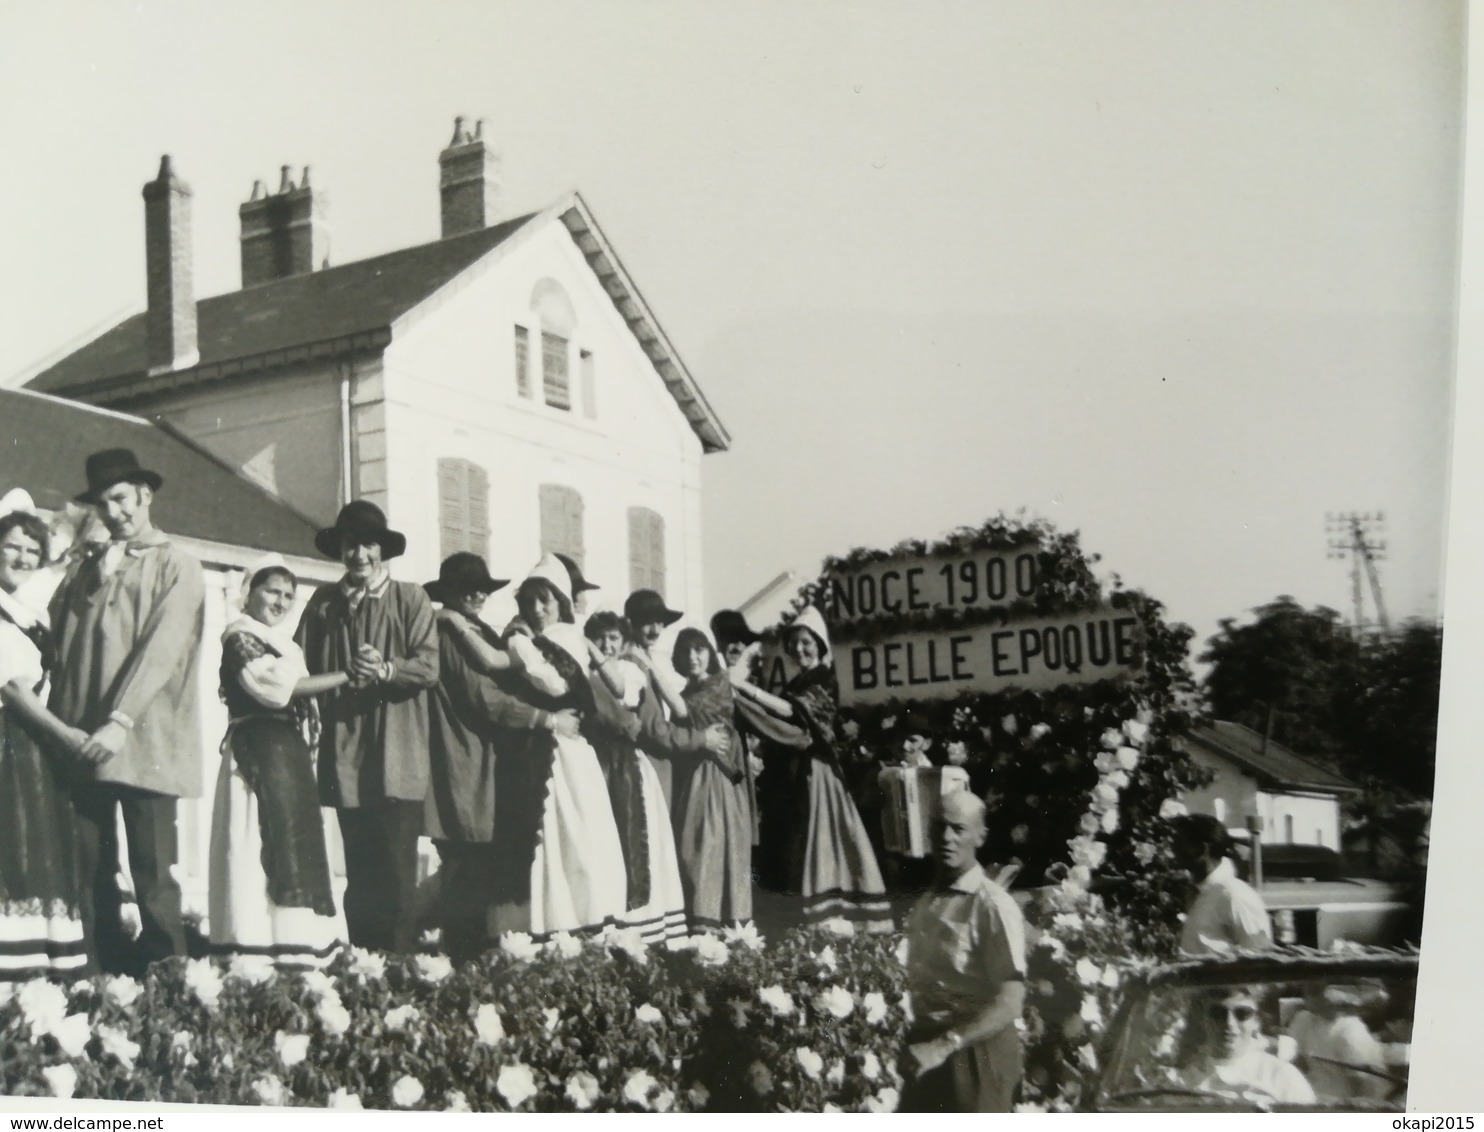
1318, 1040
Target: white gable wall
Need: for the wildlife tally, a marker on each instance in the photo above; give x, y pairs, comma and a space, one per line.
451, 391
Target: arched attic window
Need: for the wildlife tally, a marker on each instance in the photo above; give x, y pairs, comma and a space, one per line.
557, 319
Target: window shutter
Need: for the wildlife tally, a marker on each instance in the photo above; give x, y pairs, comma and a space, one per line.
646, 550
453, 511
463, 507
589, 378
479, 510
561, 522
522, 361
555, 380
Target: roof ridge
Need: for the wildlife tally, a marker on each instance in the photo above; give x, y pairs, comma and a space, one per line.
27, 391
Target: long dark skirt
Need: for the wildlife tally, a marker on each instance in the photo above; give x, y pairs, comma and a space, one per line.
40, 922
271, 891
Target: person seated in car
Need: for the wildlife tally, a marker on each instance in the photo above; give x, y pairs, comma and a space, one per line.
1228, 1055
1338, 1052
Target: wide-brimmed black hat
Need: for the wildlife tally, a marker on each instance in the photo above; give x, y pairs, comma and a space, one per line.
644, 606
460, 574
728, 625
579, 583
363, 520
116, 465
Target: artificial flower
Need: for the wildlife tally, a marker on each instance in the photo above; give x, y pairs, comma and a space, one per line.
698, 1095
254, 969
711, 951
1128, 759
810, 1062
648, 1013
837, 1002
400, 1017
432, 968
760, 1078
291, 1048
1088, 973
122, 990
519, 945
1110, 821
958, 754
43, 1005
487, 1027
318, 984
73, 1034
1170, 808
455, 1101
407, 1091
776, 999
345, 1101
1040, 731
664, 1100
367, 964
332, 1015
61, 1080
565, 944
117, 1043
1008, 725
835, 1073
1136, 730
552, 1016
884, 1101
582, 1090
747, 935
270, 1091
1112, 739
637, 1088
870, 1066
874, 1004
516, 1083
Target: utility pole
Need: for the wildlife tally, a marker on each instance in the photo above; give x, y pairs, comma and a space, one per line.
1356, 535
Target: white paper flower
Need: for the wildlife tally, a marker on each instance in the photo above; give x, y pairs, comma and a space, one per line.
291, 1048
117, 1043
631, 943
901, 951
204, 981
43, 1005
698, 1095
1089, 974
270, 1091
1136, 731
345, 1101
828, 960
637, 1088
1105, 795
1144, 852
367, 964
888, 723
519, 945
516, 1084
1008, 725
680, 943
122, 990
1040, 731
835, 1073
870, 1066
582, 1090
565, 944
958, 753
747, 935
73, 1034
432, 968
1112, 739
1118, 779
455, 1101
1091, 1012
407, 1091
1105, 761
401, 1017
1170, 808
648, 1013
711, 951
1111, 977
837, 1002
61, 1080
1089, 823
487, 1026
776, 999
183, 1040
552, 1017
760, 1078
874, 1004
253, 969
332, 1015
884, 1101
811, 1063
1110, 821
1128, 759
664, 1100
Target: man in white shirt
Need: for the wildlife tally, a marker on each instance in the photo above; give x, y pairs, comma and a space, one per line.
1228, 915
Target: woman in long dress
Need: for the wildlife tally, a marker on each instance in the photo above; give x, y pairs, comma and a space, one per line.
560, 862
713, 812
656, 893
40, 914
270, 889
829, 856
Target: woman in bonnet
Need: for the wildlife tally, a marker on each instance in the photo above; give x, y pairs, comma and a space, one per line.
270, 891
40, 920
829, 858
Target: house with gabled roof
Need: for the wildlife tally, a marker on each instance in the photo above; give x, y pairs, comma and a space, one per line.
1297, 799
504, 389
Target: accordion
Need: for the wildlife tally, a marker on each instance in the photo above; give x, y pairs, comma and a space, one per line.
913, 801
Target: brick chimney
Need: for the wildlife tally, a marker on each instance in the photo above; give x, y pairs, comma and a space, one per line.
283, 234
170, 321
470, 181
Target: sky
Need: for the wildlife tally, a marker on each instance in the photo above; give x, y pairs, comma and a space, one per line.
1177, 275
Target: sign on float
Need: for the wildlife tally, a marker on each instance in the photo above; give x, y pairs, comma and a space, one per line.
1033, 654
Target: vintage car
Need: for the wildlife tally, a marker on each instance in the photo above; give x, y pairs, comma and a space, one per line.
1292, 1030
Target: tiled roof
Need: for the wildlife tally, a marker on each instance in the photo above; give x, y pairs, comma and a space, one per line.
1275, 766
338, 302
353, 307
49, 439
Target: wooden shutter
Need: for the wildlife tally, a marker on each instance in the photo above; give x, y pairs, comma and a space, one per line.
463, 507
522, 361
556, 381
561, 522
646, 550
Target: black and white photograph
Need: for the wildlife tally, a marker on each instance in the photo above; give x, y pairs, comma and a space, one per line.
681, 557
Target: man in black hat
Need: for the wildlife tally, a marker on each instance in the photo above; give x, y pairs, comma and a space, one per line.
373, 750
128, 620
475, 720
